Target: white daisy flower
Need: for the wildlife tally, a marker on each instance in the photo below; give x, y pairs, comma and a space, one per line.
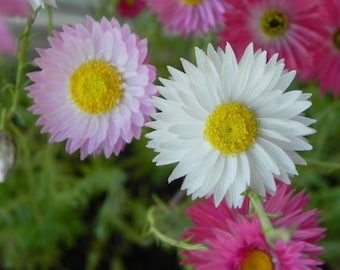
230, 125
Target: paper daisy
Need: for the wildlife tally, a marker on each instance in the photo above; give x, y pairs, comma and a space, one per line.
130, 8
94, 89
230, 125
290, 28
234, 238
188, 16
327, 55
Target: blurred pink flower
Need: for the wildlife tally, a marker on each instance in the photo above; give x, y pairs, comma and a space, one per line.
188, 16
94, 88
288, 27
327, 55
10, 8
234, 238
130, 8
7, 44
13, 8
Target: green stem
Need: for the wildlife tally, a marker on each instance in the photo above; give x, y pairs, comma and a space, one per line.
256, 202
271, 234
21, 59
324, 164
166, 239
49, 20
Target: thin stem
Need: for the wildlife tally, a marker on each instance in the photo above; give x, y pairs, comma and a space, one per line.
21, 59
324, 164
271, 234
166, 239
49, 20
259, 210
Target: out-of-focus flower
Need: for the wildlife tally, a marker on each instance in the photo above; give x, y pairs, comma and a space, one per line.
37, 3
130, 8
7, 153
290, 28
14, 8
10, 8
230, 125
188, 16
7, 44
327, 55
94, 88
234, 239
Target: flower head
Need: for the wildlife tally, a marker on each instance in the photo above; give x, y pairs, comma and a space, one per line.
327, 54
188, 16
230, 125
94, 89
290, 28
130, 8
234, 237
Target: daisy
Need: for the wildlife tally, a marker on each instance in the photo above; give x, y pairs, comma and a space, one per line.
130, 8
288, 27
230, 125
234, 239
327, 56
188, 16
94, 89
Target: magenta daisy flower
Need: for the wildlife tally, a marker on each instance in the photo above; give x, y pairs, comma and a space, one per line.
327, 55
94, 88
234, 238
288, 27
188, 16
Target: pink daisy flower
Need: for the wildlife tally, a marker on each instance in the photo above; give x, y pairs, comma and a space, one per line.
288, 27
94, 88
188, 16
327, 55
235, 241
130, 8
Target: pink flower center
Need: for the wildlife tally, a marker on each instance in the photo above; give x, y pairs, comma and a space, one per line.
273, 23
96, 87
336, 39
191, 2
257, 260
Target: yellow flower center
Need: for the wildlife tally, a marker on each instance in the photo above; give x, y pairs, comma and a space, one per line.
336, 39
96, 87
191, 2
273, 23
231, 128
130, 2
257, 260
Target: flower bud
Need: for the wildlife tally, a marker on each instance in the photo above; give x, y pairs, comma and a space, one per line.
7, 153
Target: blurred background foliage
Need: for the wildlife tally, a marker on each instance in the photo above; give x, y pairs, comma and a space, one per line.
57, 212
